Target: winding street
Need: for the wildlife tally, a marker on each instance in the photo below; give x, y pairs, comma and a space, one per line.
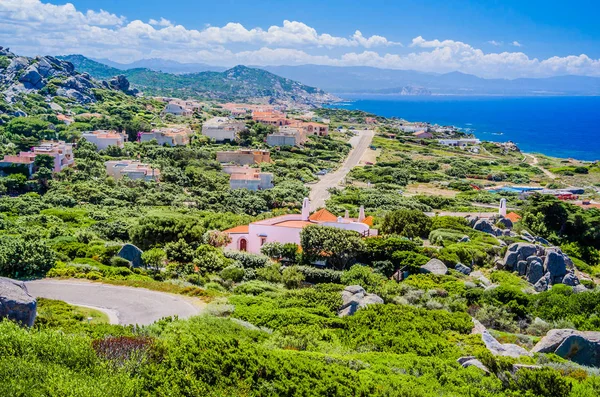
319, 191
123, 305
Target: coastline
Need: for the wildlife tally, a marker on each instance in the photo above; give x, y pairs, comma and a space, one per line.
550, 126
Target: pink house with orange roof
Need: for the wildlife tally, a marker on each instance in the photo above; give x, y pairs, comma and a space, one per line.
286, 228
61, 152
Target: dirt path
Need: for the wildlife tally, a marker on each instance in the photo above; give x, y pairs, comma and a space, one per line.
536, 165
123, 305
319, 191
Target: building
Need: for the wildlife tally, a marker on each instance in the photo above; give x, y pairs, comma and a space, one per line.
132, 169
411, 128
312, 128
61, 152
248, 178
282, 139
103, 139
167, 136
286, 228
177, 109
270, 117
222, 128
244, 156
459, 142
423, 135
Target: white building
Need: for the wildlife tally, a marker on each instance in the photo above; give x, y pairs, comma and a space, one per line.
132, 169
459, 142
103, 139
177, 110
222, 128
245, 177
168, 136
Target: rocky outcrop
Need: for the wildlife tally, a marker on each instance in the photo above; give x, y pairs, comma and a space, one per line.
15, 302
471, 361
355, 297
434, 266
581, 347
495, 347
51, 77
131, 253
541, 266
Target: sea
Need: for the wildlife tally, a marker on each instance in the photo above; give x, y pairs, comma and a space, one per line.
558, 126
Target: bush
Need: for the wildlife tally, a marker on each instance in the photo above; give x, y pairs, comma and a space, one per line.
407, 223
248, 260
317, 276
410, 261
271, 273
117, 261
363, 276
233, 273
292, 277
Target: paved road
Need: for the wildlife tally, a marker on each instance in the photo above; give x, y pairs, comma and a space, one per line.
124, 305
318, 191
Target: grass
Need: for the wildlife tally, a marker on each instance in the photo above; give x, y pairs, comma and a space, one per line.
50, 311
197, 292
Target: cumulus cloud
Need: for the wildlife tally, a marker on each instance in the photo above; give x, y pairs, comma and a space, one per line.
32, 27
495, 43
516, 44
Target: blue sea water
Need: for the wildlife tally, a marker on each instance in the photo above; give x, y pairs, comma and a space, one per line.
567, 127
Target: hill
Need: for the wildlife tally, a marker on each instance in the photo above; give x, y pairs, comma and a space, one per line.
50, 77
238, 83
163, 65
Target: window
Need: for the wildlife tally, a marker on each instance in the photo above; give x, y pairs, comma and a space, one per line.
263, 240
243, 244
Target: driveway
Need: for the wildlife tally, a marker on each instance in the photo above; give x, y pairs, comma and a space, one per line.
318, 191
123, 305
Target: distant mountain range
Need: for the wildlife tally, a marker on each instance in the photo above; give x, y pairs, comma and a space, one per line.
369, 80
237, 83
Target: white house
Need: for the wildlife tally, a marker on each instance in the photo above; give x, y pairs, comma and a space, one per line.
459, 142
222, 128
132, 169
103, 139
177, 110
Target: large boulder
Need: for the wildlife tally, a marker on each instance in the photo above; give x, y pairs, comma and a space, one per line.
31, 78
555, 264
131, 253
543, 283
15, 302
581, 347
495, 347
570, 279
506, 222
471, 361
486, 226
535, 271
434, 266
355, 297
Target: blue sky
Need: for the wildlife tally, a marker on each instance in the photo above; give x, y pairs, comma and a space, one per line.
488, 38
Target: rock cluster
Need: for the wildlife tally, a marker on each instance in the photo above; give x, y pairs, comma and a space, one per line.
15, 302
355, 297
488, 225
541, 266
581, 347
51, 77
495, 347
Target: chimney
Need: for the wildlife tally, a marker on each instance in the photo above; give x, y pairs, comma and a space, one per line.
502, 209
305, 209
361, 213
346, 216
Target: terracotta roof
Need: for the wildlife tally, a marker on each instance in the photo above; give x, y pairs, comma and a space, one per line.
294, 224
513, 216
368, 220
322, 215
237, 230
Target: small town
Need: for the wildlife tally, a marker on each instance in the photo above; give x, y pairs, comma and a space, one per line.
285, 207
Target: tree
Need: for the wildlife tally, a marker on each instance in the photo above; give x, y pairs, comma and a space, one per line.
216, 238
25, 257
154, 258
408, 223
338, 247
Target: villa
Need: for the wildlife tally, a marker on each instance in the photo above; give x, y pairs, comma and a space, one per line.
61, 152
132, 169
459, 142
103, 139
222, 128
244, 156
248, 178
167, 136
286, 228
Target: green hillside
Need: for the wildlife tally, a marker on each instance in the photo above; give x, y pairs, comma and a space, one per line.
239, 82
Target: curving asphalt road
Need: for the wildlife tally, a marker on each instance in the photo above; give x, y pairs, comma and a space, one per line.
319, 191
123, 305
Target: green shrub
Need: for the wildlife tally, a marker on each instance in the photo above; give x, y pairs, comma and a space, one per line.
233, 273
292, 277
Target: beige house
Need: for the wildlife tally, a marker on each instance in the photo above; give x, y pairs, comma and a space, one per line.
168, 136
133, 169
103, 139
248, 178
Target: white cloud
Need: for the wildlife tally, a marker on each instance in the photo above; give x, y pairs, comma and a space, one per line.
160, 22
516, 44
31, 27
495, 43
